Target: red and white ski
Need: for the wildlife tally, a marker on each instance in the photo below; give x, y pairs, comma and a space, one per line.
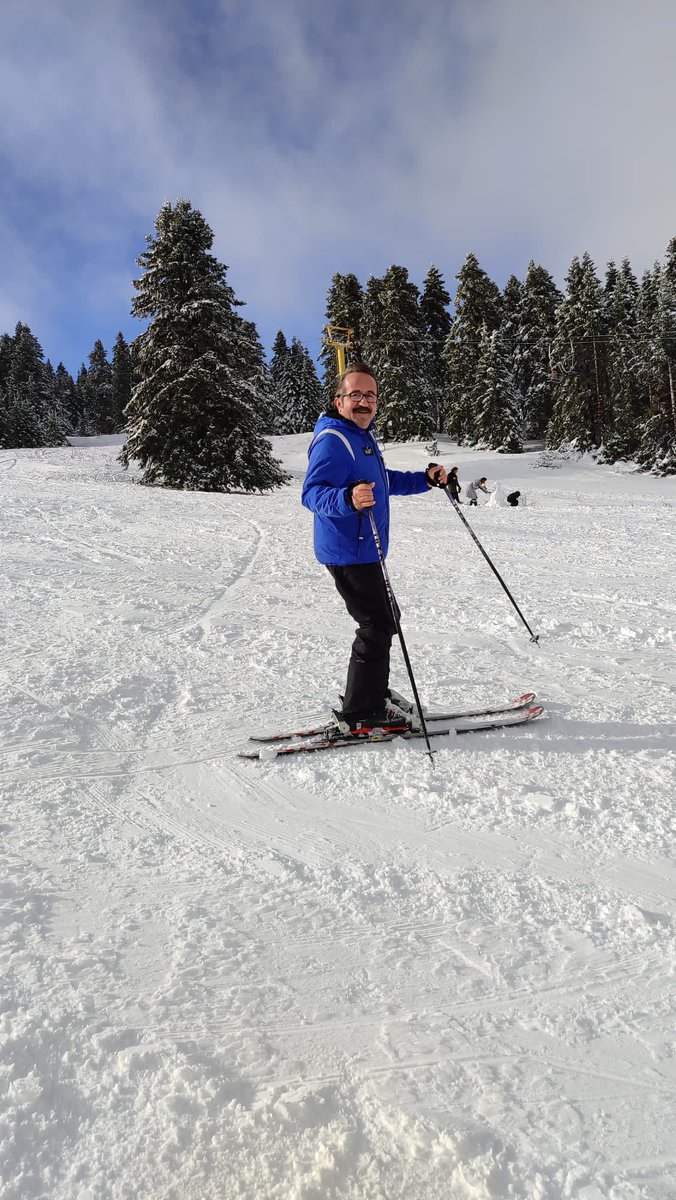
519, 702
480, 724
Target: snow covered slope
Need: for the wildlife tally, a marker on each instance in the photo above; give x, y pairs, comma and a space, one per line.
347, 975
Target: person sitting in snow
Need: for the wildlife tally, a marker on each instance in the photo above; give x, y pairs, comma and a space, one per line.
513, 498
472, 490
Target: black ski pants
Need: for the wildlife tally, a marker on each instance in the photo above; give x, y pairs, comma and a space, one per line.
362, 587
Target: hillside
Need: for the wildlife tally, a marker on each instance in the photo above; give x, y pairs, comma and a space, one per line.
355, 974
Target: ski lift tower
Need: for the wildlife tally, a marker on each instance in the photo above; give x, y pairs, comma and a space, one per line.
340, 338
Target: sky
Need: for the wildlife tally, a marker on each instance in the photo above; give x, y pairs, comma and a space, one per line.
319, 139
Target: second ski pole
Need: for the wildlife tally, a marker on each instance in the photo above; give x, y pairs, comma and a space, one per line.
533, 637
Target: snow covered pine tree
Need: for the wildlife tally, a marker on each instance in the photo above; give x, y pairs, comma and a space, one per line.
194, 419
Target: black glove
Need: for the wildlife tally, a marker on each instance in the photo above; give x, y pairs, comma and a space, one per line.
433, 480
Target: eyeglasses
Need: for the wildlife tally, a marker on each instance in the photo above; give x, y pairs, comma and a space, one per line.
355, 397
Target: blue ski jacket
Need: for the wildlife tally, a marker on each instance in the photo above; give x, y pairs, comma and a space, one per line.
340, 455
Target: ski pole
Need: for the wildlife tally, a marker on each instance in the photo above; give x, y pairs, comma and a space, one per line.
533, 637
395, 614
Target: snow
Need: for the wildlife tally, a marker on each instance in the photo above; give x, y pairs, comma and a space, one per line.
353, 974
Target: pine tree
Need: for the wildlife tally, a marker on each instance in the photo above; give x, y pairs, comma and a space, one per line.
279, 369
512, 297
57, 422
86, 424
647, 304
6, 349
67, 398
100, 390
32, 410
436, 323
649, 368
22, 428
121, 383
256, 375
496, 402
535, 328
658, 435
393, 344
304, 395
4, 429
194, 419
478, 306
624, 381
345, 308
580, 410
5, 361
510, 308
27, 365
298, 392
52, 430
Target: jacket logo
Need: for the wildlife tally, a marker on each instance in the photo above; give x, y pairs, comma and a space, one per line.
368, 450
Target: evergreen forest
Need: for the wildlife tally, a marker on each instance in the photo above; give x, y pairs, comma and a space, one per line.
591, 368
41, 406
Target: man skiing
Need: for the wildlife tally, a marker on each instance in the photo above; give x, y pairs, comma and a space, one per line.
346, 477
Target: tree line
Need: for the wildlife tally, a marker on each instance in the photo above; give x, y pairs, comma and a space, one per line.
592, 368
40, 406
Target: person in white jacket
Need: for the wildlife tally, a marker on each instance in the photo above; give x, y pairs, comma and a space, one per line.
472, 490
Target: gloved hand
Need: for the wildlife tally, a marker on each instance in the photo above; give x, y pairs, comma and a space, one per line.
436, 475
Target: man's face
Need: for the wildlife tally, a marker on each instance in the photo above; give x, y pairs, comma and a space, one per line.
361, 407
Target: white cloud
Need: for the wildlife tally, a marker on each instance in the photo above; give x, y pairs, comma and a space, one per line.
386, 132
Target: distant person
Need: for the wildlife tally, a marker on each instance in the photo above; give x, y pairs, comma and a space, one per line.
453, 485
479, 484
513, 499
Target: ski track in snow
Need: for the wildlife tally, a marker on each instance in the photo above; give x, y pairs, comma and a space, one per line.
346, 975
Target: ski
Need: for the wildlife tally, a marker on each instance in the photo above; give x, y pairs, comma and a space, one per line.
525, 701
481, 724
520, 702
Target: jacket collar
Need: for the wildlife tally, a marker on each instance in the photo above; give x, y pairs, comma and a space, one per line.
346, 421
